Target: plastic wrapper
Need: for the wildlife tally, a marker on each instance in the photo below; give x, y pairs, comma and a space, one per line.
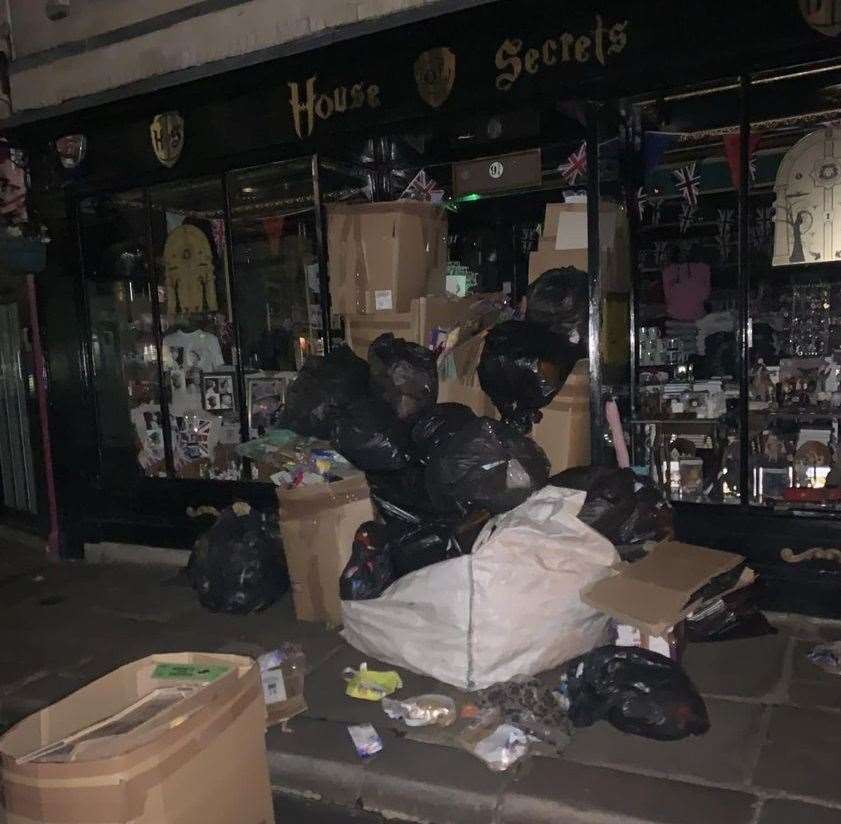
624, 507
827, 657
487, 465
438, 426
560, 300
422, 710
404, 375
371, 437
526, 703
371, 685
638, 691
369, 571
733, 616
323, 388
522, 367
499, 745
237, 566
282, 672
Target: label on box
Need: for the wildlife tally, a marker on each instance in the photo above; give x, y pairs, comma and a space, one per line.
274, 687
382, 299
189, 672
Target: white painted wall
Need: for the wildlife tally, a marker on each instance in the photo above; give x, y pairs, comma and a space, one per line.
41, 76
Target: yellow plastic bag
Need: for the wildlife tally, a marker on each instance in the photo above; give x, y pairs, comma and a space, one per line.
370, 685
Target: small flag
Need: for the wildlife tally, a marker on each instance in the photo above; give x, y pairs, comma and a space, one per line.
688, 215
724, 238
642, 202
734, 160
576, 165
762, 227
688, 183
422, 187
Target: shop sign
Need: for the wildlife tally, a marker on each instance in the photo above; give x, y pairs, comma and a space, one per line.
597, 45
167, 131
435, 75
313, 105
823, 16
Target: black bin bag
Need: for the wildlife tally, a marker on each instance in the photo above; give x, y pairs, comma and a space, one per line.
368, 573
487, 465
238, 565
402, 495
521, 369
324, 387
371, 437
560, 300
638, 691
404, 375
437, 426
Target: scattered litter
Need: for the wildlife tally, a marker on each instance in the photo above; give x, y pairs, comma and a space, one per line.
500, 746
827, 657
370, 685
636, 690
282, 672
365, 739
422, 711
38, 579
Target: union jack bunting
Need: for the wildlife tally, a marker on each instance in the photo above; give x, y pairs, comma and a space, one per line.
763, 227
642, 202
688, 215
726, 222
423, 188
576, 165
688, 183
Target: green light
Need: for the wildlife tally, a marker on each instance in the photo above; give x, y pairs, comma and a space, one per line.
471, 198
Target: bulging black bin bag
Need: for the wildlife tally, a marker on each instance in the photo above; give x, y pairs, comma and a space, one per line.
437, 426
636, 690
371, 437
238, 564
368, 573
404, 375
560, 300
324, 387
522, 367
487, 465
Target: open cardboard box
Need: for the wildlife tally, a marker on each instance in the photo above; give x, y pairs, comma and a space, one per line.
660, 590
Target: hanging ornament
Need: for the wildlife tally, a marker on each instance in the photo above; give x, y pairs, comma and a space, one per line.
688, 183
688, 215
576, 165
732, 149
423, 188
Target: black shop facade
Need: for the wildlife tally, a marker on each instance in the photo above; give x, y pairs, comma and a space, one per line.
188, 266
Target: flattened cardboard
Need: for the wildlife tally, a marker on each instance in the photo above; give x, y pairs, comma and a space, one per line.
208, 763
317, 525
660, 590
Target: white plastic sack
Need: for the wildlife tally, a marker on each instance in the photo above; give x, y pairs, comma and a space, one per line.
511, 607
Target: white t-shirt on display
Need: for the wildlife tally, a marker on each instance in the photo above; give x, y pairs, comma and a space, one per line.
186, 355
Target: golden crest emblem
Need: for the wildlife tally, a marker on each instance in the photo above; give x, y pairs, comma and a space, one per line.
167, 132
435, 74
823, 16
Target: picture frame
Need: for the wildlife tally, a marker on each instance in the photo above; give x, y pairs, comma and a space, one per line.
218, 392
265, 394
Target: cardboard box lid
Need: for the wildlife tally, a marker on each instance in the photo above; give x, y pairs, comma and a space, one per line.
658, 591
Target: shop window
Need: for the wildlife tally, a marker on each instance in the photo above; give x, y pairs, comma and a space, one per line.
197, 329
687, 432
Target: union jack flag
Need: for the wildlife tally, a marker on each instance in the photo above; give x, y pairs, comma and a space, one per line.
642, 202
576, 165
688, 215
422, 187
688, 183
724, 238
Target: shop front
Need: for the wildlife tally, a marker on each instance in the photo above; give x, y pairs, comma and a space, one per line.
188, 275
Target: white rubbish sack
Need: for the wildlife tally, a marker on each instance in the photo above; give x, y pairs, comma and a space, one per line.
511, 607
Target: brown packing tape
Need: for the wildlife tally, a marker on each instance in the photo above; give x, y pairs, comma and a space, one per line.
119, 799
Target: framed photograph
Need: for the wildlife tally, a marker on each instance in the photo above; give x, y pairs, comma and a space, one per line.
265, 394
218, 391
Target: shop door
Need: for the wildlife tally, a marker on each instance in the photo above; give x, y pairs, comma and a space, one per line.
17, 476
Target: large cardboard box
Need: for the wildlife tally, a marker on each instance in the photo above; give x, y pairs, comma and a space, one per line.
564, 431
458, 378
317, 525
383, 255
202, 758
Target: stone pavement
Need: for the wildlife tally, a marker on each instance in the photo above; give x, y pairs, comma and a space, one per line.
771, 756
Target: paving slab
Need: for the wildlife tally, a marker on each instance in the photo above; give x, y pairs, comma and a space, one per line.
802, 753
563, 792
722, 754
810, 686
747, 668
428, 783
315, 757
783, 811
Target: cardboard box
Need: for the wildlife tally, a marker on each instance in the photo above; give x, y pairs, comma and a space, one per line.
384, 255
424, 315
670, 644
317, 525
660, 590
458, 378
564, 431
201, 759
